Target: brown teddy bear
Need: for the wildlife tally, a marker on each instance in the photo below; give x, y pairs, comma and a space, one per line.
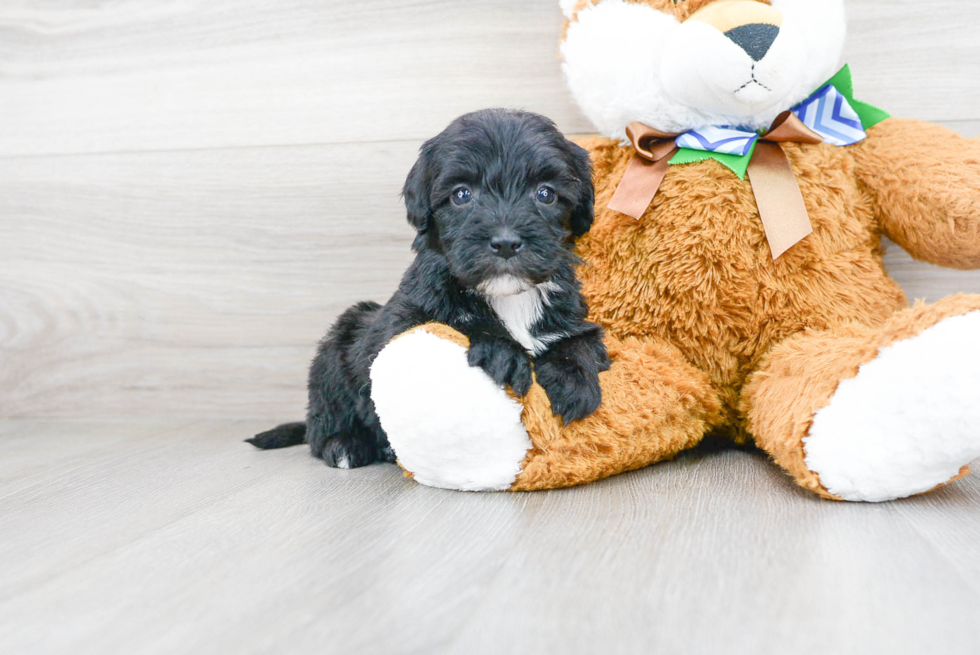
736, 265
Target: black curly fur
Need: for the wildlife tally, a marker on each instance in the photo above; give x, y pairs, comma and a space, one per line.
503, 158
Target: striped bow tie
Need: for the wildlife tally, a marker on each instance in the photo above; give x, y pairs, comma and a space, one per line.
827, 113
831, 115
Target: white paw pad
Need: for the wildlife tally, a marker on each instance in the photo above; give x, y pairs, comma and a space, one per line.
909, 420
450, 425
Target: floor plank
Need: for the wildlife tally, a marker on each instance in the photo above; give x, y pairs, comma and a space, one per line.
195, 542
189, 282
143, 75
915, 61
67, 445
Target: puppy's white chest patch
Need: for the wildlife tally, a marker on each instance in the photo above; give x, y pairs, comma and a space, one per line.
519, 313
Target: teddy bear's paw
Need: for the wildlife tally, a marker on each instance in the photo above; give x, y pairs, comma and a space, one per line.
449, 424
908, 422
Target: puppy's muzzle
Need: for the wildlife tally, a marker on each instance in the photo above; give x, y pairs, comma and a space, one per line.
506, 243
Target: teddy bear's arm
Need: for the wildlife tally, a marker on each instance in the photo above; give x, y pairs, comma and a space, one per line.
924, 183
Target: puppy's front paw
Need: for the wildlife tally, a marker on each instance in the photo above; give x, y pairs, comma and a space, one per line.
572, 387
505, 362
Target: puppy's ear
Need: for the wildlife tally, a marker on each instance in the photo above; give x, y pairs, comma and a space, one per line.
584, 212
417, 189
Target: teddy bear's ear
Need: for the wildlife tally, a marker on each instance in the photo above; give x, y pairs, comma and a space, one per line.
584, 211
417, 189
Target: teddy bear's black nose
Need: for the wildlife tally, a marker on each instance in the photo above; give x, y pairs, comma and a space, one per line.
754, 38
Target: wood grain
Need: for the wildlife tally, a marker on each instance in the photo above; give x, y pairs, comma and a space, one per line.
191, 74
186, 540
191, 282
916, 61
191, 191
203, 74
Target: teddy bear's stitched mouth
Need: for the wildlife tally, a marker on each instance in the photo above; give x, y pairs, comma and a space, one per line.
751, 81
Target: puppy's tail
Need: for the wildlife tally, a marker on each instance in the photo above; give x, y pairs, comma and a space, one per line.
282, 436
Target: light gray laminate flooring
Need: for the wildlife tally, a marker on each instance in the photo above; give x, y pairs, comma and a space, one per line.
170, 536
190, 193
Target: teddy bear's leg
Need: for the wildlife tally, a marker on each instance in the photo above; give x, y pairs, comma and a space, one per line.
452, 427
874, 414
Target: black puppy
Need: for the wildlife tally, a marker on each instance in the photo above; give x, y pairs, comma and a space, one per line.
497, 199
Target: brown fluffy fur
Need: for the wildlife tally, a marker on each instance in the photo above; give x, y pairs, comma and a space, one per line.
680, 9
655, 405
697, 272
708, 333
800, 375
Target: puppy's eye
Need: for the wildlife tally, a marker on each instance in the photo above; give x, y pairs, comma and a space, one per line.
461, 195
545, 195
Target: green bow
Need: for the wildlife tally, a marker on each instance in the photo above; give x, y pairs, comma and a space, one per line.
869, 115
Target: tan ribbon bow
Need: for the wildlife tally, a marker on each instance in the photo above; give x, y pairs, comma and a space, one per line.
777, 192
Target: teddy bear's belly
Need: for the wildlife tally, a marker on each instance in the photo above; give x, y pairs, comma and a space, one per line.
697, 272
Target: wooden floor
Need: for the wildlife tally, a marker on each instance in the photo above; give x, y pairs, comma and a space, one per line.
169, 536
191, 191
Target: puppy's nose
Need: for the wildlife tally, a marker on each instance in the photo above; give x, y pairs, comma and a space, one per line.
506, 244
755, 39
